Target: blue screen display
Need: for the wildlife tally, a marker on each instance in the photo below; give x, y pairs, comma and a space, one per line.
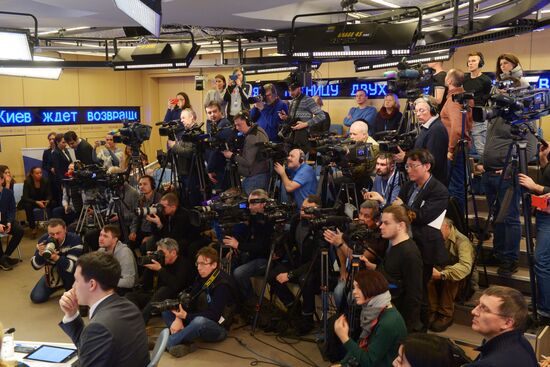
32, 116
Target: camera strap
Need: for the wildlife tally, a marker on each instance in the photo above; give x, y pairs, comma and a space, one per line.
211, 279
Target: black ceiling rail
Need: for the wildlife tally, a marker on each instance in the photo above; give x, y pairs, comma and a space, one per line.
35, 42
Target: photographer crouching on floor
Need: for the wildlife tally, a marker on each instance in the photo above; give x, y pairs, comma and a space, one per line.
57, 253
207, 310
172, 272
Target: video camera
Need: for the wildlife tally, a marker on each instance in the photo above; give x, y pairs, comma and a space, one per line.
259, 98
234, 212
184, 299
409, 80
359, 235
87, 176
171, 129
391, 139
327, 218
336, 149
517, 105
270, 150
276, 213
158, 256
131, 133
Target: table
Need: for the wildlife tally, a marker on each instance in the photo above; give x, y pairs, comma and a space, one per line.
19, 356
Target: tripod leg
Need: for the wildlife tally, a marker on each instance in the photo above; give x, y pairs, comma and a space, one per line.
264, 287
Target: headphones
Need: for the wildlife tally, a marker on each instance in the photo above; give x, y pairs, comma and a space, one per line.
481, 59
433, 109
302, 158
244, 115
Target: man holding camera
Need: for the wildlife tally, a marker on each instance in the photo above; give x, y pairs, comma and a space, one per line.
303, 113
185, 151
266, 112
56, 252
141, 229
212, 295
115, 335
252, 250
361, 155
109, 154
300, 270
109, 242
452, 119
172, 222
254, 171
480, 85
173, 273
220, 128
302, 181
506, 234
385, 188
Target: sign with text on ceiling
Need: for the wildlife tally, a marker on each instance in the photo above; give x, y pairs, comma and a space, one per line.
44, 116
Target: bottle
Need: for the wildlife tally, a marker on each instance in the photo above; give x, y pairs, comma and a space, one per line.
8, 345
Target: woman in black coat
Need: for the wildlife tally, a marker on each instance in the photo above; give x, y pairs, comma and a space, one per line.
389, 117
37, 193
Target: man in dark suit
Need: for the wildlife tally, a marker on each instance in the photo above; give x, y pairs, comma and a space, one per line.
116, 333
428, 199
83, 151
60, 164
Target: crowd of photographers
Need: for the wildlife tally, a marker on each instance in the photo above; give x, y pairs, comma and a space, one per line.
267, 192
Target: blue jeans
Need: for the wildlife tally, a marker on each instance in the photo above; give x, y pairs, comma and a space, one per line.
508, 234
456, 179
41, 292
542, 263
252, 183
199, 327
243, 273
479, 136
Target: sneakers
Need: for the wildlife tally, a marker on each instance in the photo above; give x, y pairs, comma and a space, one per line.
507, 268
441, 324
181, 350
5, 264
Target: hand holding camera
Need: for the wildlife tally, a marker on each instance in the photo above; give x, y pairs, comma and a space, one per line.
300, 125
373, 195
231, 242
282, 115
172, 103
180, 313
153, 218
154, 265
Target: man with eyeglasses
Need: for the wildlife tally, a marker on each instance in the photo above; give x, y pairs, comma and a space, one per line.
433, 136
266, 113
500, 318
213, 296
428, 199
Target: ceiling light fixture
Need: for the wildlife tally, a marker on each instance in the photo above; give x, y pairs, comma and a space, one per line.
15, 44
147, 13
42, 73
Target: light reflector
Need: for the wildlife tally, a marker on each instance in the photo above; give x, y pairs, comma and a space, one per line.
146, 12
14, 45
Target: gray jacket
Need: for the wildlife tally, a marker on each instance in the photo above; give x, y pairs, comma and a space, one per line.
128, 266
247, 161
499, 138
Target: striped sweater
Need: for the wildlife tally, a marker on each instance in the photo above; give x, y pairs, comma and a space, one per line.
69, 251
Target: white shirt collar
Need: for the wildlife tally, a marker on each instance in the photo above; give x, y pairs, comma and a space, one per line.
94, 306
429, 123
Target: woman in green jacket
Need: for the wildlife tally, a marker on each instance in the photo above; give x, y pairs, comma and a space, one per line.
382, 327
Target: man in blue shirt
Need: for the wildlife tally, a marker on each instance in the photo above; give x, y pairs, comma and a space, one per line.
361, 112
386, 183
266, 113
302, 181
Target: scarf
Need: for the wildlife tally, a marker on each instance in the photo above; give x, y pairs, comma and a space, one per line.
371, 311
385, 115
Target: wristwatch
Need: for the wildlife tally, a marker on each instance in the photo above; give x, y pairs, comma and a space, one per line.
443, 276
290, 275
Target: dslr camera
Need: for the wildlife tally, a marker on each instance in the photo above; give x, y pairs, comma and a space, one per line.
51, 246
158, 256
184, 299
153, 209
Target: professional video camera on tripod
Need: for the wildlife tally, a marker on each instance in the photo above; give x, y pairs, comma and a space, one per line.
511, 125
133, 134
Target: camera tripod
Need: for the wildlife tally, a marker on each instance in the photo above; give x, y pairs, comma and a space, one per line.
461, 160
197, 166
172, 161
231, 177
515, 163
135, 165
115, 206
90, 204
326, 187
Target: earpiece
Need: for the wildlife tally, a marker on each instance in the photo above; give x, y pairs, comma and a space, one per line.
481, 59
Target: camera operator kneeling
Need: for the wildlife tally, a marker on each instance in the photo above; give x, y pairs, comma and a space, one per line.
173, 273
211, 299
382, 327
